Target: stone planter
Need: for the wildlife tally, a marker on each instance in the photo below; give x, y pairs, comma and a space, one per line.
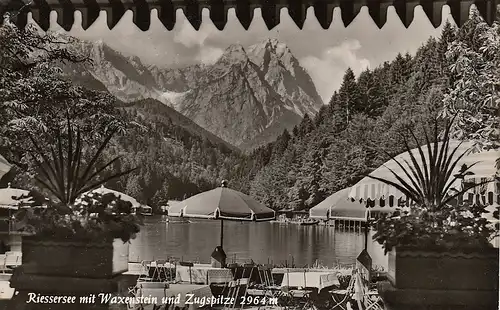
420, 269
74, 259
427, 280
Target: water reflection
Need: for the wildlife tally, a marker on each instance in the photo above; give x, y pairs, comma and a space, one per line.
262, 242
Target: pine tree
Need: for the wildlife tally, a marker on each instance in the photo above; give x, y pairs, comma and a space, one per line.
306, 126
348, 101
321, 116
349, 93
281, 144
133, 187
448, 35
313, 170
270, 185
398, 70
373, 95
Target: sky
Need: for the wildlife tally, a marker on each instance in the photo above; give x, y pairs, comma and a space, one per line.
325, 54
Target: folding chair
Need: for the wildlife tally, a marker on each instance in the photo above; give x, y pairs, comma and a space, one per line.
161, 269
373, 301
348, 293
243, 284
265, 275
145, 271
267, 281
234, 292
248, 271
171, 272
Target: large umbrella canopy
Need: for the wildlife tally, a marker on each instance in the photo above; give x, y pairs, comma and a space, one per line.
222, 203
338, 205
484, 169
9, 197
4, 166
103, 190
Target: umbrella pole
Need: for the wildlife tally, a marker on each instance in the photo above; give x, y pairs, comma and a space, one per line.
221, 232
367, 229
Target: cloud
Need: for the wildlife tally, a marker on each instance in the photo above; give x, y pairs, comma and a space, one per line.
209, 55
185, 34
198, 42
189, 37
328, 69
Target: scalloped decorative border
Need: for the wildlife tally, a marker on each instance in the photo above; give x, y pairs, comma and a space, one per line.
297, 9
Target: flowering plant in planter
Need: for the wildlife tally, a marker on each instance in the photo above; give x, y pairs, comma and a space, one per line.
92, 217
436, 220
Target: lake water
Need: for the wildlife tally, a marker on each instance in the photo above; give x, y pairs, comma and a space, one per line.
263, 242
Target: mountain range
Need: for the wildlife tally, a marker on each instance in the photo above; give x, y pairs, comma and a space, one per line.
247, 98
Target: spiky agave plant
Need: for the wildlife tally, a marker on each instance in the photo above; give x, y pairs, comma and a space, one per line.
63, 170
436, 218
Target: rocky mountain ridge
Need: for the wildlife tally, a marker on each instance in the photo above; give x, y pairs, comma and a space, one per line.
248, 97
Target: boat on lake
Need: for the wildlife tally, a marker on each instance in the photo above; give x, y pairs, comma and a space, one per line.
281, 220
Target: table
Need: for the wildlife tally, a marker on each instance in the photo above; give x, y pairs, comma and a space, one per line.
203, 273
177, 294
318, 280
